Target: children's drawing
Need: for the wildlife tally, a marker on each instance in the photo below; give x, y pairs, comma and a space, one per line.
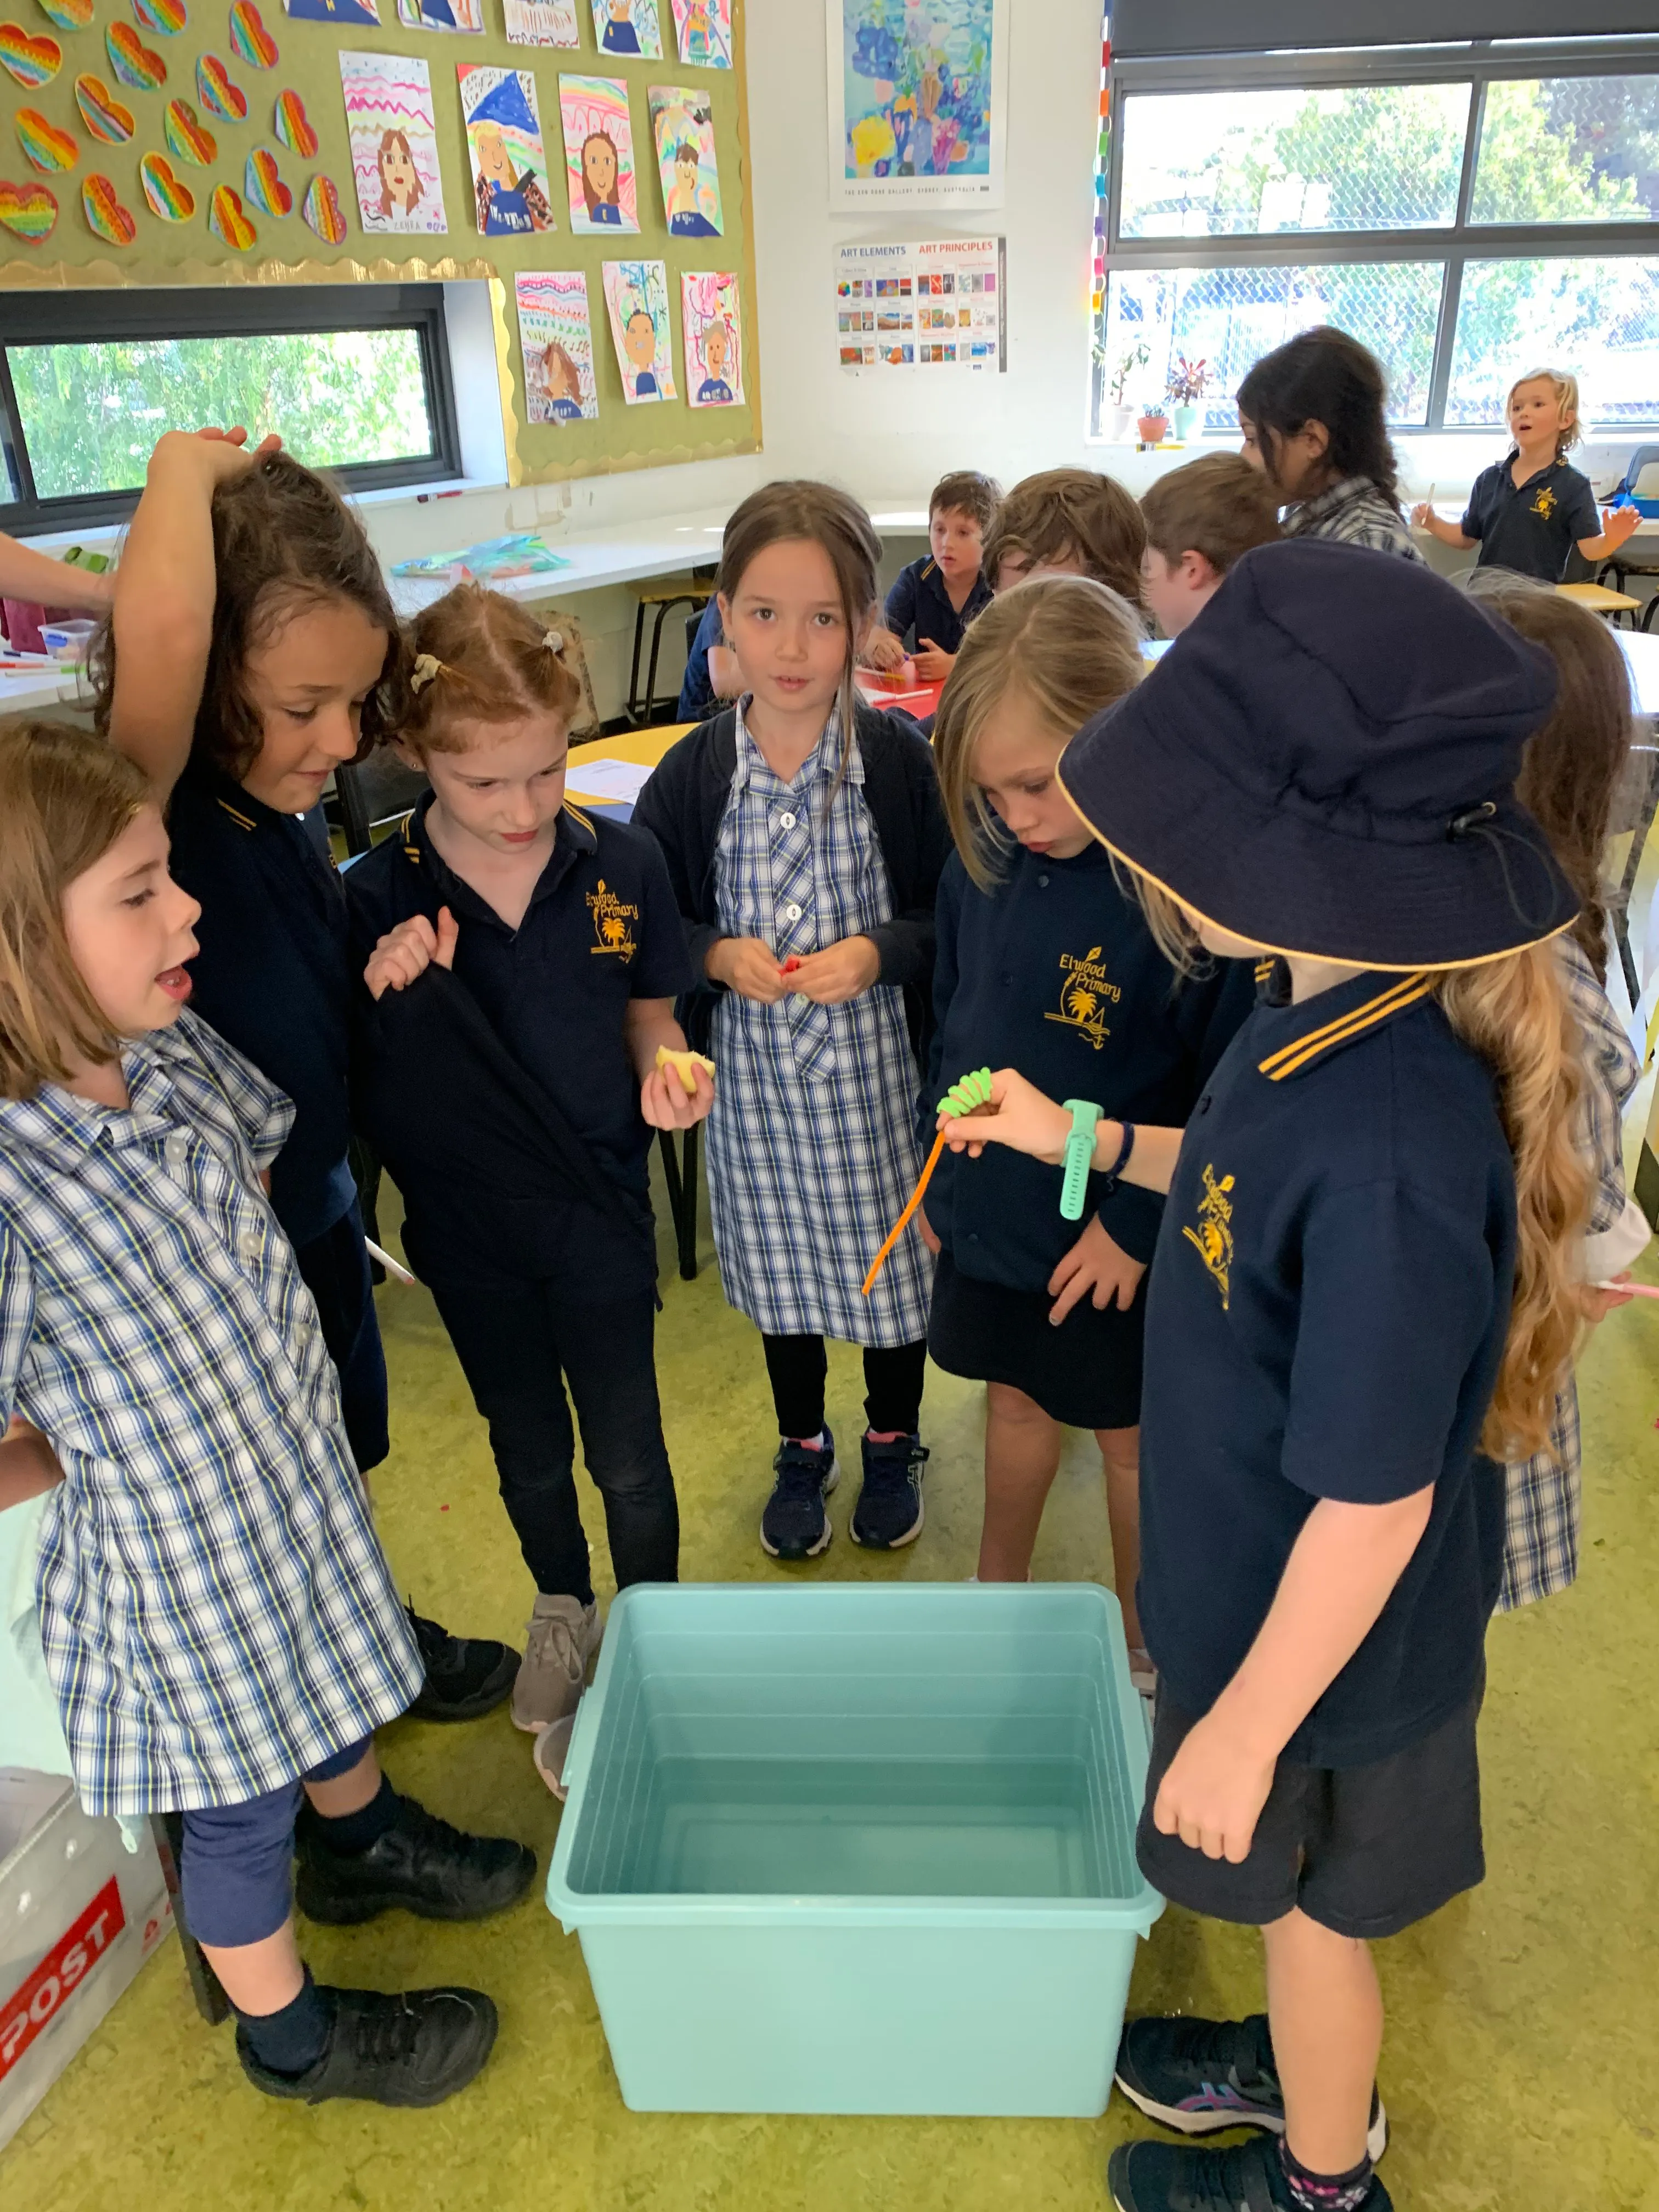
442, 14
504, 140
629, 27
557, 342
702, 31
541, 22
598, 154
711, 326
348, 14
394, 146
683, 124
636, 300
917, 101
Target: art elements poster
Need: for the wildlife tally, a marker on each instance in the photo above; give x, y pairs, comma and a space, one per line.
504, 143
918, 102
636, 301
556, 339
682, 125
394, 146
937, 306
702, 32
541, 22
628, 29
598, 154
442, 16
711, 324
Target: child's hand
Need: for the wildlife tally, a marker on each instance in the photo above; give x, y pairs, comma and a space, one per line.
747, 966
932, 663
1019, 1115
1618, 523
222, 454
1597, 1302
409, 950
1097, 1263
840, 972
1423, 515
665, 1104
929, 1234
1213, 1794
883, 650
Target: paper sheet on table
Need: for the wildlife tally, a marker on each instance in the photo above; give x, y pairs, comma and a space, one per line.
611, 781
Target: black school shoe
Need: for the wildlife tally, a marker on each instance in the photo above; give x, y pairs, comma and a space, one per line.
421, 1863
795, 1525
1200, 2075
1153, 2176
889, 1513
465, 1675
416, 2047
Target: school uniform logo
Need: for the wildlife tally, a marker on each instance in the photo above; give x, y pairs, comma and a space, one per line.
1087, 995
1213, 1239
614, 923
1546, 502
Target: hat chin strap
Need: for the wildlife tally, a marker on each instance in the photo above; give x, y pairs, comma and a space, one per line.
1479, 822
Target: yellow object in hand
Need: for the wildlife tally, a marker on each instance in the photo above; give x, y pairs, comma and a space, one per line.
683, 1064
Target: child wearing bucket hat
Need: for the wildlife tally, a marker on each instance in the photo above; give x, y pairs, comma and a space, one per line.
1362, 1300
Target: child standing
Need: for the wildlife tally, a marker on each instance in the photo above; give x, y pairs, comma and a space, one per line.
1528, 511
1379, 1182
254, 651
804, 840
1044, 962
1199, 519
522, 960
933, 600
1314, 416
218, 1620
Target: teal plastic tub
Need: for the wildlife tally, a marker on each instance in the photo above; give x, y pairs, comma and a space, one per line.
859, 1848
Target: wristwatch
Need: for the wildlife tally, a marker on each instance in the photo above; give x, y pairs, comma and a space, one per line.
1079, 1154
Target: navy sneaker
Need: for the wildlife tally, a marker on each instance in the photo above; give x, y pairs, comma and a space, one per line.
1153, 2177
889, 1513
1199, 2076
795, 1525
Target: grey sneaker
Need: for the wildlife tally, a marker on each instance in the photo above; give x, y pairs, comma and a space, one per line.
563, 1645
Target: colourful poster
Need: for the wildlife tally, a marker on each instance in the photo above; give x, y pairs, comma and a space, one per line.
541, 22
598, 154
636, 300
711, 326
556, 339
683, 124
349, 15
628, 29
441, 15
938, 304
504, 143
394, 146
918, 102
702, 31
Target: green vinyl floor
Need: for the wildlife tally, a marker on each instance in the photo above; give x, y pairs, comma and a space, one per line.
1523, 2020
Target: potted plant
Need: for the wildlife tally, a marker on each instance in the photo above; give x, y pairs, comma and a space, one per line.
1153, 426
1188, 382
1136, 357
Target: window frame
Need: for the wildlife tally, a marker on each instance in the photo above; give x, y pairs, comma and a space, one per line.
1479, 63
82, 318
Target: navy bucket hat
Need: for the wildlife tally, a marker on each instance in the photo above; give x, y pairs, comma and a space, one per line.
1325, 764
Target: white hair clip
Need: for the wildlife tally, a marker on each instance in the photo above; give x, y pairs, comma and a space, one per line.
553, 642
427, 666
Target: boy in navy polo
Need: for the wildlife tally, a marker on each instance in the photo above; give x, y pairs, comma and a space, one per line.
1346, 1320
933, 600
1528, 511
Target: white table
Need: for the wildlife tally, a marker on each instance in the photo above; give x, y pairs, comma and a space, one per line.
663, 548
42, 690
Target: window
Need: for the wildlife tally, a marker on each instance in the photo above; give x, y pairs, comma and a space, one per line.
1466, 212
355, 379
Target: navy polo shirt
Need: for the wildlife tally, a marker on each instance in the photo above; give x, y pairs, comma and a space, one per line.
1531, 527
274, 975
919, 606
1326, 1318
1055, 973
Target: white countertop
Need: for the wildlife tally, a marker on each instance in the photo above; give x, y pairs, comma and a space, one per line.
665, 549
40, 689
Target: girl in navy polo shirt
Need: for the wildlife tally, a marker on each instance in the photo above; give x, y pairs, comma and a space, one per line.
1365, 1297
1044, 962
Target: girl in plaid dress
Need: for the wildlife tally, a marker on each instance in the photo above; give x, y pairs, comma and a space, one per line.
218, 1619
804, 840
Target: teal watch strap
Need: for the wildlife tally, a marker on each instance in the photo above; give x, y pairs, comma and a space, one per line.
1079, 1156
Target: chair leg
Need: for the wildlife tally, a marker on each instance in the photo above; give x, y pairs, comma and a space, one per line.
688, 1208
168, 1831
634, 715
1649, 612
670, 1175
663, 612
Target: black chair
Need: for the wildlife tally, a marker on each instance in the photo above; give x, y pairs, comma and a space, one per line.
644, 711
371, 793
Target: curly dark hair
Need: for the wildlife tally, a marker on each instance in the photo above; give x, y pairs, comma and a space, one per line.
1324, 375
283, 540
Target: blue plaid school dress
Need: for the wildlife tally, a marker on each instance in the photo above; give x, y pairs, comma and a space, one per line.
812, 1148
216, 1611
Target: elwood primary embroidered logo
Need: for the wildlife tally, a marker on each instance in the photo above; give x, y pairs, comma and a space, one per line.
1085, 995
1213, 1236
1546, 502
613, 922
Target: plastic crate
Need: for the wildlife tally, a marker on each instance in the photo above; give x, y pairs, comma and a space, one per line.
859, 1848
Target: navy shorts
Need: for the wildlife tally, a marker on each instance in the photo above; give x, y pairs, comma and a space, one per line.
237, 1865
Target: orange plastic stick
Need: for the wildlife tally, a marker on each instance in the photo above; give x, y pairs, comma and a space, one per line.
903, 1221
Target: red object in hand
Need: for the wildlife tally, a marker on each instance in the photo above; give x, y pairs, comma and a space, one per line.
790, 965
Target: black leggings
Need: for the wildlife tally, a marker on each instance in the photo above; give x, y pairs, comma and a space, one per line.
892, 1384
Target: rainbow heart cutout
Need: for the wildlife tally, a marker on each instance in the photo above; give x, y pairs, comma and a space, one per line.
228, 220
101, 111
134, 62
167, 16
68, 14
218, 93
32, 62
27, 210
169, 196
106, 216
250, 41
294, 125
186, 137
263, 185
322, 210
44, 146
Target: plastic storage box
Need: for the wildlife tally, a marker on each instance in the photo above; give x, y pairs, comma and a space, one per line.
859, 1848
